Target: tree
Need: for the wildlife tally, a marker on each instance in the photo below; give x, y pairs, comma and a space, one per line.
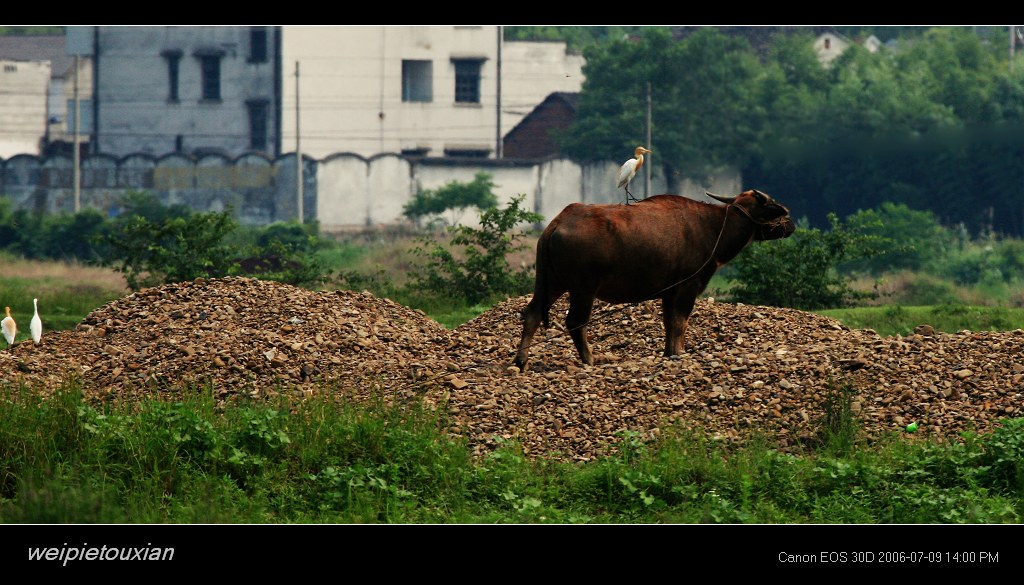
918, 237
455, 197
703, 90
481, 270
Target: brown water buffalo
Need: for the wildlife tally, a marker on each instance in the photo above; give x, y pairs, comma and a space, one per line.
665, 247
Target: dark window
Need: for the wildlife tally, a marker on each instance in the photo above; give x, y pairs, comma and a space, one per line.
258, 44
179, 143
467, 80
211, 76
417, 81
173, 77
258, 110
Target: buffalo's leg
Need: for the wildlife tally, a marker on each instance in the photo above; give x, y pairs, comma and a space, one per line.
532, 317
580, 307
676, 316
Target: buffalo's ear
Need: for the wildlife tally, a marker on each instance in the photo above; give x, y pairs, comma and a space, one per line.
726, 200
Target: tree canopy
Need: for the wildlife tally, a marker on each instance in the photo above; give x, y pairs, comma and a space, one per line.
934, 123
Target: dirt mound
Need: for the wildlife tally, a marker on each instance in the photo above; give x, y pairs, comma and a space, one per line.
748, 370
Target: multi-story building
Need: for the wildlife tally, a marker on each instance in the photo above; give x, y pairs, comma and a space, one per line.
414, 90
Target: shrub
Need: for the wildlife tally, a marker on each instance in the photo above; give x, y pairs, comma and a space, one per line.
483, 270
917, 238
173, 250
801, 270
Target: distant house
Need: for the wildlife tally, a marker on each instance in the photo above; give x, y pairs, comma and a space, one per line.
52, 95
533, 137
828, 43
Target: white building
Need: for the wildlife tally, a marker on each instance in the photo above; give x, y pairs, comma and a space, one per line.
23, 106
416, 90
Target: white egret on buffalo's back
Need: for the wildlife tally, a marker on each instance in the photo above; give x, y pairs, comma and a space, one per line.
628, 170
36, 326
9, 327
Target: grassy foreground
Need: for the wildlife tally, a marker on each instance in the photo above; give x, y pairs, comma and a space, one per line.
65, 461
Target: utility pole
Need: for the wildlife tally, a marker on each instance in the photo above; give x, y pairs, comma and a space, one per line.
647, 168
1013, 43
77, 172
498, 146
298, 149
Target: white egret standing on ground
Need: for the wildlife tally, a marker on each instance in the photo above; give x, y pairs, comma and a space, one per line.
36, 326
628, 170
9, 327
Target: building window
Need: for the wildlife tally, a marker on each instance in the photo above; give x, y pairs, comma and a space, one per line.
417, 81
467, 80
173, 68
258, 44
8, 68
209, 64
211, 77
828, 43
258, 110
85, 109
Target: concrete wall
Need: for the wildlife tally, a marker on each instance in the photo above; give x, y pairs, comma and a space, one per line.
343, 191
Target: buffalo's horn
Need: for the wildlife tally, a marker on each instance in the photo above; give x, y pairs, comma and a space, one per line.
726, 200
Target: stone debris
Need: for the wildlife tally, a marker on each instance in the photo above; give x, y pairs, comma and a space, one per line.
747, 371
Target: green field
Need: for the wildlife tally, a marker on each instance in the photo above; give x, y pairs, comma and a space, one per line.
899, 320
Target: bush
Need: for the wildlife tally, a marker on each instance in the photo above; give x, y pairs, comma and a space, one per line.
283, 252
917, 239
801, 271
483, 270
173, 250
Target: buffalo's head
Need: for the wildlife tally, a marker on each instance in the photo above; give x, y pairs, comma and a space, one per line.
772, 218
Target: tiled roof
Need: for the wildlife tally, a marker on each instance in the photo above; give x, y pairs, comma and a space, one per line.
37, 48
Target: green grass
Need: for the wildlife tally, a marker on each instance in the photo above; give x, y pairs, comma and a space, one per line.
67, 292
63, 460
950, 318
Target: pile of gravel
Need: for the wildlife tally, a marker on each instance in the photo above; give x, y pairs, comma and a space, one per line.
748, 370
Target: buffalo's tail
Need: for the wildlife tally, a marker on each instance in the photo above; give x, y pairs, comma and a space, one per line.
540, 290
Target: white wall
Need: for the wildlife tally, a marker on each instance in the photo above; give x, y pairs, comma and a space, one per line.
353, 192
23, 97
